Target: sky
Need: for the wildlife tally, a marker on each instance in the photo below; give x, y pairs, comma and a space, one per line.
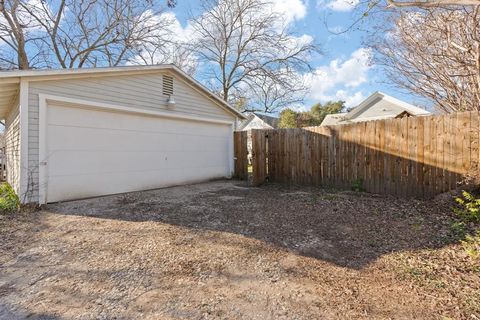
344, 70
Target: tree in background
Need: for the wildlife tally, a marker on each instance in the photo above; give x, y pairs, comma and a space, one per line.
434, 53
75, 34
319, 111
249, 51
430, 3
288, 119
292, 119
430, 48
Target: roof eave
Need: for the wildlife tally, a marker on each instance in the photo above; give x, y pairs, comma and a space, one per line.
363, 104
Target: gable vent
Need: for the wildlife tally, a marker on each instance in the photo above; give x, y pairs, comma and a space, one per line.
167, 85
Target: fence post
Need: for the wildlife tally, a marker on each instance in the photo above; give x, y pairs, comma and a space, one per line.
240, 154
259, 157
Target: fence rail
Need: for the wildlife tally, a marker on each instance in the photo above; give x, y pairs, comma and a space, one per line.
412, 157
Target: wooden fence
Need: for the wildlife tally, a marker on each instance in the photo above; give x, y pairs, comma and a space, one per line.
240, 141
412, 157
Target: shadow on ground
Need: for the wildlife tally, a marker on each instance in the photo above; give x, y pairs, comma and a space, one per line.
345, 228
8, 313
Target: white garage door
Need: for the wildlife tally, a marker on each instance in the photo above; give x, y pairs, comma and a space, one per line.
95, 152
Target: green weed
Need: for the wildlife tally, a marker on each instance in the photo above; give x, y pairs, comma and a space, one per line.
469, 210
357, 185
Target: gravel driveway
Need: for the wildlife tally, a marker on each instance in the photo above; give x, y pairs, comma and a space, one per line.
222, 250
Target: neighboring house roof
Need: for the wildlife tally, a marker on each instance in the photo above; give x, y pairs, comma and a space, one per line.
376, 107
10, 81
332, 119
258, 121
272, 121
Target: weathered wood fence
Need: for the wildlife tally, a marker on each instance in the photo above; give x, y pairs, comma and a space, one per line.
412, 157
240, 140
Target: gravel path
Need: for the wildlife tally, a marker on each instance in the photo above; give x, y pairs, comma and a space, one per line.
222, 250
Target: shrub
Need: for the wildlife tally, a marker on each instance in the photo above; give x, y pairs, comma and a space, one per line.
9, 201
471, 244
458, 230
357, 185
470, 207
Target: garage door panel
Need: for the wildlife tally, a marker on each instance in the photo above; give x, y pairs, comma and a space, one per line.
63, 188
87, 162
91, 153
62, 116
67, 138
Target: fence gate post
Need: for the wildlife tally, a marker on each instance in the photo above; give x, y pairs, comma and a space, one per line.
241, 154
259, 157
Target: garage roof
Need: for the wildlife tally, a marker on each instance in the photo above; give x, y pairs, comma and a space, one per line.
10, 81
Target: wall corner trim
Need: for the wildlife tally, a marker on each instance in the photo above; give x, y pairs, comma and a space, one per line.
24, 163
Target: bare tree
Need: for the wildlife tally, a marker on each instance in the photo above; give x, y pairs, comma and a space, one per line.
159, 51
166, 44
432, 3
371, 10
248, 49
14, 34
434, 53
415, 4
267, 94
71, 33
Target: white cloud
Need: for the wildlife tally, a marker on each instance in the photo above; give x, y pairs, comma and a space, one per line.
338, 5
351, 99
292, 43
176, 27
292, 10
304, 39
339, 79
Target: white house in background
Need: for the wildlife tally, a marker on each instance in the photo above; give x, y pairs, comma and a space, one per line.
257, 121
376, 107
80, 133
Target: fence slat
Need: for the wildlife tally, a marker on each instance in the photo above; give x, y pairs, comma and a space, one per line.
428, 163
474, 141
439, 155
420, 159
397, 160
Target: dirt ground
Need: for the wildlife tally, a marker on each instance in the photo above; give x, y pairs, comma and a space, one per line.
222, 250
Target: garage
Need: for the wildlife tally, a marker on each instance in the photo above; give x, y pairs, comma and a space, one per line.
95, 133
91, 152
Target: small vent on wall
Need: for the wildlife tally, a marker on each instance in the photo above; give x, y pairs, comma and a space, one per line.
167, 85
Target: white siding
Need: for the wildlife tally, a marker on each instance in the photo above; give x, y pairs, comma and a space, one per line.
142, 91
12, 147
379, 108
